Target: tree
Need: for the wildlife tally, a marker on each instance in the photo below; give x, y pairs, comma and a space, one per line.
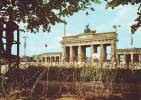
116, 3
37, 13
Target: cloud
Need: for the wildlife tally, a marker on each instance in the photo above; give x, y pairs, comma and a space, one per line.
58, 38
50, 47
102, 27
125, 15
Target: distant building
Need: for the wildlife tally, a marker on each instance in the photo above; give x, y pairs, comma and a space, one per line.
27, 59
129, 55
48, 57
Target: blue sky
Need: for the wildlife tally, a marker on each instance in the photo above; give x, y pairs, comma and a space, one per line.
101, 20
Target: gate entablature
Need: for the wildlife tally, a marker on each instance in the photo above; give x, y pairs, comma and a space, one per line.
96, 38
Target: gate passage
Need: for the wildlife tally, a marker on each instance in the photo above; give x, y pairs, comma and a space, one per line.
9, 37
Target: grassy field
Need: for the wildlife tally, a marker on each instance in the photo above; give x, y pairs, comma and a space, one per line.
85, 83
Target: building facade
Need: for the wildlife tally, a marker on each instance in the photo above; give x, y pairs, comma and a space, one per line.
48, 57
129, 55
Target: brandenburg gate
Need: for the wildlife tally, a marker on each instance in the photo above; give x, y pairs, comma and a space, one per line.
74, 47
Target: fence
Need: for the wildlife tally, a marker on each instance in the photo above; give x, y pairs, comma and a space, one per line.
108, 65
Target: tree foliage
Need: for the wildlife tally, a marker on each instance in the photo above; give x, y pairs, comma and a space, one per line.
43, 13
115, 3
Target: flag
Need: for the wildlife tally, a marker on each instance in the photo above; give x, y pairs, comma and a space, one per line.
24, 44
131, 39
114, 26
45, 45
92, 9
87, 13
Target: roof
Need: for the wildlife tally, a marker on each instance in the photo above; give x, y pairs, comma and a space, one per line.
49, 54
89, 37
129, 50
91, 33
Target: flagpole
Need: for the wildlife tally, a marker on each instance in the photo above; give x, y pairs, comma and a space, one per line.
115, 27
25, 45
65, 29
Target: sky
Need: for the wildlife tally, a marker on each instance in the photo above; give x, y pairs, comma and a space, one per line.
101, 20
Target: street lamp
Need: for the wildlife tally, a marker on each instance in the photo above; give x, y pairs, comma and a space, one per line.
115, 28
25, 43
65, 27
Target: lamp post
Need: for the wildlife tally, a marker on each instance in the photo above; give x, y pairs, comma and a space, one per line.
25, 45
115, 28
65, 28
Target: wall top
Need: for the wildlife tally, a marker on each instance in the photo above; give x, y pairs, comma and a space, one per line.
129, 50
49, 54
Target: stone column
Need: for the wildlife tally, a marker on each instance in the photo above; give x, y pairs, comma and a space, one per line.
56, 60
113, 48
103, 52
118, 58
71, 54
139, 58
84, 54
64, 55
75, 49
79, 53
132, 58
49, 59
59, 58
